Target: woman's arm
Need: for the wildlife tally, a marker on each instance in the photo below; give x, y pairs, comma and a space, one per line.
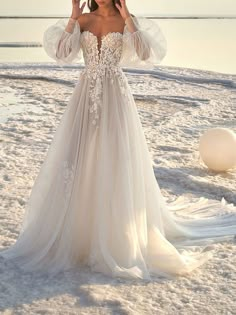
68, 30
141, 45
76, 13
61, 45
71, 25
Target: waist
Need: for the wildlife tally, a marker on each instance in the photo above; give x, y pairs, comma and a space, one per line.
101, 69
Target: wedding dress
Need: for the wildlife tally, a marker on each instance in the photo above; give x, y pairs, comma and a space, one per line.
96, 200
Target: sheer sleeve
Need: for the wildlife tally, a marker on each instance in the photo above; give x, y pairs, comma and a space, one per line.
145, 47
61, 45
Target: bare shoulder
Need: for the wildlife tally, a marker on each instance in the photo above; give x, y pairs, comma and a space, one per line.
84, 19
114, 23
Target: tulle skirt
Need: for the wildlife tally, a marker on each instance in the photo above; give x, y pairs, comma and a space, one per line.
96, 200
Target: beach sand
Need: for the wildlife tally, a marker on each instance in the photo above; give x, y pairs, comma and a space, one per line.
176, 105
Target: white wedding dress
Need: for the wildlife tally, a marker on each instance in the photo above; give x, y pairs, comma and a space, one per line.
96, 201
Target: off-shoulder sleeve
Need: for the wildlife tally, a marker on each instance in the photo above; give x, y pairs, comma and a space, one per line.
62, 46
145, 47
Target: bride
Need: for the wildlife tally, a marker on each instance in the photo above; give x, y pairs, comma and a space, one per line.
96, 201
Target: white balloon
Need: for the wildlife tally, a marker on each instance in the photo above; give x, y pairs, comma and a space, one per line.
217, 147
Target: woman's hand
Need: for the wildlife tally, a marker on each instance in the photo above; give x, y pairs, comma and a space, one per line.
77, 10
124, 12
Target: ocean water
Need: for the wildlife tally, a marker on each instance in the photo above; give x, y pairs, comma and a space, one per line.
208, 44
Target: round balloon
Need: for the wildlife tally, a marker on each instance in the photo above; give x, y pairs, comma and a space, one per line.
217, 147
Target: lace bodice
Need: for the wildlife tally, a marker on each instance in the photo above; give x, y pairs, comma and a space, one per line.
101, 60
108, 54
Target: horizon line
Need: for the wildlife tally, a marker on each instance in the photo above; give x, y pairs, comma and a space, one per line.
150, 16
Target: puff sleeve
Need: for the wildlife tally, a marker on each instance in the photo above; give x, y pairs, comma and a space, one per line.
61, 45
145, 47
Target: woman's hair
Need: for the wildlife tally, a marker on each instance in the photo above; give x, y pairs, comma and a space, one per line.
92, 5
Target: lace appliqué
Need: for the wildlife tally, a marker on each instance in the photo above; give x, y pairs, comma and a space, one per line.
68, 176
101, 64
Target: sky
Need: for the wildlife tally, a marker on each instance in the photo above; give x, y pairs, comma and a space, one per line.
153, 7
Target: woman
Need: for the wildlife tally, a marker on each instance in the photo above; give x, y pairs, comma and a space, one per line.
96, 200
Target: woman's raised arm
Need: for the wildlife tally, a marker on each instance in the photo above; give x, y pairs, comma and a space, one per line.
61, 41
143, 47
144, 44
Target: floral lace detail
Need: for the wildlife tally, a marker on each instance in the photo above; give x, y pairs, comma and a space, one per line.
68, 175
99, 64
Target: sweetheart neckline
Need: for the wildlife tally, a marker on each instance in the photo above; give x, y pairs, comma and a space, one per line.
101, 39
103, 36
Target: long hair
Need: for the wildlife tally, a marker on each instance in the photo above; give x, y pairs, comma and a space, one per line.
92, 5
